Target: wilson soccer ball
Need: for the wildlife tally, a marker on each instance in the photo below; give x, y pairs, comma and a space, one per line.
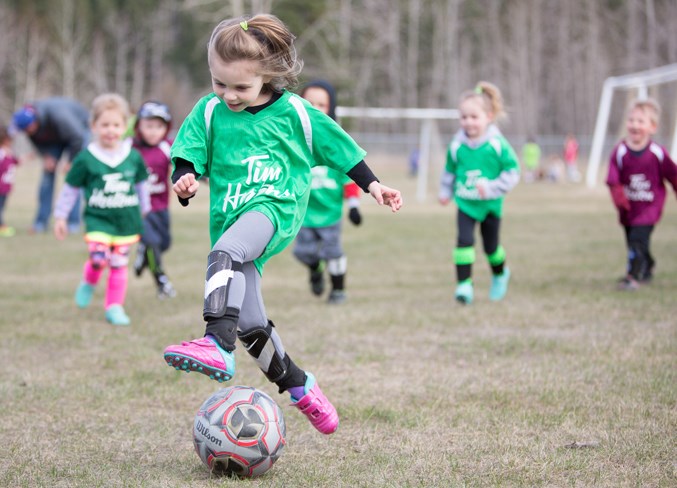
239, 431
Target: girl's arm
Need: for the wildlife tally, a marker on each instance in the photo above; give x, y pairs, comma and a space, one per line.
67, 198
185, 180
351, 192
446, 187
496, 188
365, 179
144, 196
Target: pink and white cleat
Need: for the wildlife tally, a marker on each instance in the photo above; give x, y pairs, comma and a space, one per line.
317, 407
204, 356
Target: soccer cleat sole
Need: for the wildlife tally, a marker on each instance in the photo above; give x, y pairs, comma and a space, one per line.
183, 363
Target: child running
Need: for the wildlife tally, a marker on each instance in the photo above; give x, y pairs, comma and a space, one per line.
113, 177
481, 168
318, 243
150, 139
638, 168
8, 164
257, 143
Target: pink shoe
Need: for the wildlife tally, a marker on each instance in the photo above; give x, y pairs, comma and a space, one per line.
317, 407
204, 356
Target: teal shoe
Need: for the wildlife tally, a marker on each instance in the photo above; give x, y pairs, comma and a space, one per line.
83, 295
499, 285
116, 315
464, 292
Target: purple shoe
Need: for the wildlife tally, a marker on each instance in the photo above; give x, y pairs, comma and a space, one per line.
316, 407
204, 356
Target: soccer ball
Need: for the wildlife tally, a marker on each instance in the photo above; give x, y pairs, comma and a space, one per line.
239, 431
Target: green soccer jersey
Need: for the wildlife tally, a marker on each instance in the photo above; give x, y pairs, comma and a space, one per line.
471, 162
262, 161
325, 205
109, 185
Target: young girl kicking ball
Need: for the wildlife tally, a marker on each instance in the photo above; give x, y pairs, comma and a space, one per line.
257, 143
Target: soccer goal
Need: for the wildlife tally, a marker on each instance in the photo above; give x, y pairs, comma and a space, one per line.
641, 82
428, 133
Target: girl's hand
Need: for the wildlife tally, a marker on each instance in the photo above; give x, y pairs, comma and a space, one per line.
186, 186
385, 195
444, 201
60, 229
481, 186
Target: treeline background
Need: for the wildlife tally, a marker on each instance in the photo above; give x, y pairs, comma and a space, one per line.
549, 57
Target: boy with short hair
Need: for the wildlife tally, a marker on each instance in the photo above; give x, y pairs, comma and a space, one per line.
638, 168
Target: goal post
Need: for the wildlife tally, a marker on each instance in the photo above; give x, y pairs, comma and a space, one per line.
640, 81
428, 118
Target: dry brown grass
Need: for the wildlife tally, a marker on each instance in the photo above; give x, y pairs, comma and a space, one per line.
429, 393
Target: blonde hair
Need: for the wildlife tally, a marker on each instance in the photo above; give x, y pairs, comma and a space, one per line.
263, 38
490, 96
109, 101
649, 106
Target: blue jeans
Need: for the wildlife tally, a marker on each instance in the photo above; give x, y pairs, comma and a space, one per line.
46, 195
3, 199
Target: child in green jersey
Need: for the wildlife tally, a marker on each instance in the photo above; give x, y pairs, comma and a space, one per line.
257, 144
481, 168
318, 243
531, 157
113, 177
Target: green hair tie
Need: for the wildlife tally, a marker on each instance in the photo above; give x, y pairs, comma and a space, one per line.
244, 25
478, 88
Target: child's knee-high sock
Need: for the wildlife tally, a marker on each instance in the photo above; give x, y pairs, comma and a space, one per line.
497, 260
117, 286
92, 273
337, 271
464, 257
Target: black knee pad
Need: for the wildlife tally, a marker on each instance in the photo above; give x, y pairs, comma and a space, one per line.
220, 270
260, 344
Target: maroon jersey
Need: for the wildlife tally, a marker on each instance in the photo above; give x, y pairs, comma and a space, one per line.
159, 167
642, 175
8, 164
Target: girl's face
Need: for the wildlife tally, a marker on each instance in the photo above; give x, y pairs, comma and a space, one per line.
238, 83
318, 98
109, 127
640, 128
474, 118
152, 131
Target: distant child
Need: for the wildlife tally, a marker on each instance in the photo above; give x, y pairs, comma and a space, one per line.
531, 157
638, 168
8, 164
150, 139
481, 168
257, 143
571, 158
318, 243
113, 177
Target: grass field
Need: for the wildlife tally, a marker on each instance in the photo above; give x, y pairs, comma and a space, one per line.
566, 383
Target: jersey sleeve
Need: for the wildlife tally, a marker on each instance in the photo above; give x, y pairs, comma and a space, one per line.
332, 146
191, 143
77, 175
350, 190
613, 176
669, 170
141, 168
451, 165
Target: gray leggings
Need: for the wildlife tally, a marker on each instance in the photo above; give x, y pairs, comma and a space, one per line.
245, 241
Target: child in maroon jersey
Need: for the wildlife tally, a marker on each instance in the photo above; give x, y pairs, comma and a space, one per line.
152, 125
638, 168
